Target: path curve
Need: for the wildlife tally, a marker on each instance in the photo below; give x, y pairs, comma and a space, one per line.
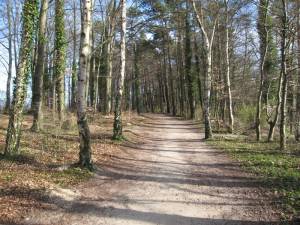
171, 178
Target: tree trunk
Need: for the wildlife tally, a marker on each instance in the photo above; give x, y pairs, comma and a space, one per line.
109, 56
117, 133
84, 132
227, 71
284, 76
198, 70
137, 79
208, 71
188, 66
166, 77
272, 123
263, 35
10, 55
297, 128
74, 63
30, 11
39, 70
60, 56
172, 91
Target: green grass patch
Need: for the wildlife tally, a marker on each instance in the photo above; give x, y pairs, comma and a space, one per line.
280, 170
71, 176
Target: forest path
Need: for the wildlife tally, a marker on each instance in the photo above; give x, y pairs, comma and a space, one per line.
172, 178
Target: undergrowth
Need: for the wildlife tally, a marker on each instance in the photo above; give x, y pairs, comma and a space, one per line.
280, 170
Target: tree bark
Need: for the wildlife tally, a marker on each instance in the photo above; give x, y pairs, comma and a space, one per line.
297, 128
188, 65
117, 132
39, 70
283, 49
227, 71
10, 55
208, 71
137, 79
30, 11
109, 56
74, 63
263, 35
85, 159
60, 56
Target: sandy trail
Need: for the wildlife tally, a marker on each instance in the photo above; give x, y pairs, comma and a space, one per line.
171, 179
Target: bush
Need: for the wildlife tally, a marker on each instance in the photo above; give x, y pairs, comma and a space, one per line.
246, 114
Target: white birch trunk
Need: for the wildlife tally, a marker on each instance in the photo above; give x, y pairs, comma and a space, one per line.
84, 132
117, 133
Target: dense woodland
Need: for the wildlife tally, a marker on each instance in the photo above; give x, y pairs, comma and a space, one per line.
231, 64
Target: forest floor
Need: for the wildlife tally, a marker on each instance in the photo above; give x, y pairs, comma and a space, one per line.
163, 174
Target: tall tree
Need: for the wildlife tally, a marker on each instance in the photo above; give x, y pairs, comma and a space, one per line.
85, 159
227, 70
39, 70
283, 49
137, 79
60, 56
298, 84
10, 54
110, 29
30, 12
263, 37
188, 63
207, 68
117, 132
74, 62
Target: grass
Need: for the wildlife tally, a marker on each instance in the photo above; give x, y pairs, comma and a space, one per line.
280, 170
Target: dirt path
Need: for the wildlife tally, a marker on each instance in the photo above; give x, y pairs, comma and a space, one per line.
171, 179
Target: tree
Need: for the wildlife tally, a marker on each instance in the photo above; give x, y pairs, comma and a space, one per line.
263, 36
207, 68
188, 64
117, 132
283, 50
60, 57
10, 54
85, 159
227, 71
39, 70
74, 62
30, 12
298, 86
109, 48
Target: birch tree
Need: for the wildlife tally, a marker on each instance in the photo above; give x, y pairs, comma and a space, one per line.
227, 70
208, 41
117, 132
85, 159
30, 12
